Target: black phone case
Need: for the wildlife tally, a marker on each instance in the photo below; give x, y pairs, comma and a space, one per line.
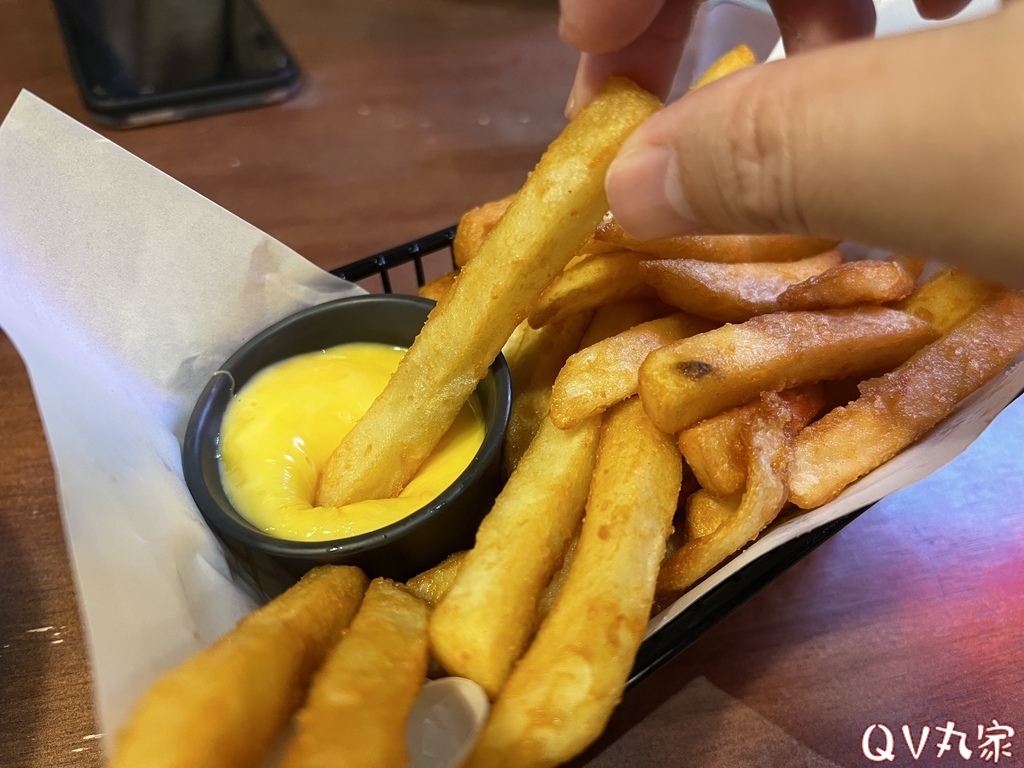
112, 98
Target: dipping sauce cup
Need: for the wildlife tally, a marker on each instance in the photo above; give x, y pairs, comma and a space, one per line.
400, 550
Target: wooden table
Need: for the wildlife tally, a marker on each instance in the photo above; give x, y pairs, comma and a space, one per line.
413, 112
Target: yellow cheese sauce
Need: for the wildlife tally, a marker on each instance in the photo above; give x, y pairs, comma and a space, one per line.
283, 425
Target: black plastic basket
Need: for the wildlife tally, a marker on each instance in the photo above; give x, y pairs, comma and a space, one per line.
710, 609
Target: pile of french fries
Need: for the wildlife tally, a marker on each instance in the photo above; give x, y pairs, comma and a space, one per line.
671, 398
728, 377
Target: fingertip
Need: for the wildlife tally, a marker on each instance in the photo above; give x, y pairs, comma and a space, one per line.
569, 29
644, 192
583, 87
604, 26
809, 24
571, 107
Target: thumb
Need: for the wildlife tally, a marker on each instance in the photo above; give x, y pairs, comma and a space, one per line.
913, 143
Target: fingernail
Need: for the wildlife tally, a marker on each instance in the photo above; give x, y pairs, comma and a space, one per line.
577, 94
645, 193
570, 105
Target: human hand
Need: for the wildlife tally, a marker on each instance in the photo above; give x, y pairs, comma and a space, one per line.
913, 143
644, 39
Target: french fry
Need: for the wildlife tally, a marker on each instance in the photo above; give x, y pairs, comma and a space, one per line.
850, 284
912, 264
605, 373
547, 599
727, 249
896, 409
563, 690
521, 352
618, 317
227, 704
734, 60
439, 286
591, 248
536, 372
554, 213
536, 357
706, 513
765, 495
482, 626
600, 279
731, 292
474, 226
695, 378
843, 391
947, 298
715, 449
608, 320
431, 585
354, 716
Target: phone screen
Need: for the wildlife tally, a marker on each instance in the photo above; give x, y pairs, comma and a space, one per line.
146, 61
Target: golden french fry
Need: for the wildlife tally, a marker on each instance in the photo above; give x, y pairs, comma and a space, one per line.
731, 293
521, 352
695, 378
600, 279
474, 226
482, 626
613, 319
851, 284
896, 409
548, 349
591, 248
605, 373
727, 249
765, 495
947, 298
354, 716
706, 513
439, 286
912, 264
716, 451
737, 249
734, 60
547, 599
563, 690
431, 585
227, 704
534, 345
554, 213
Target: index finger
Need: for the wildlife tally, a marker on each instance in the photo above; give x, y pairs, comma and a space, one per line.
605, 26
808, 24
650, 58
644, 39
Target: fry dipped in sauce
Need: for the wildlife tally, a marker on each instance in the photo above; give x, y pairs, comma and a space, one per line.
282, 426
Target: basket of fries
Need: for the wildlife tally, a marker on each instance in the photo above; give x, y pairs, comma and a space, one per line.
690, 416
443, 251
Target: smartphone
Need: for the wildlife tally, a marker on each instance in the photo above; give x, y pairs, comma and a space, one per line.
140, 62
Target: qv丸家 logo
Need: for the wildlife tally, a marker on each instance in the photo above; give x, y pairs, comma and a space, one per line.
880, 744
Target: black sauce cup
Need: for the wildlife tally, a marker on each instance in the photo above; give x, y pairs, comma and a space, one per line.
398, 551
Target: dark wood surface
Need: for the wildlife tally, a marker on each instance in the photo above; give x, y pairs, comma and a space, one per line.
412, 112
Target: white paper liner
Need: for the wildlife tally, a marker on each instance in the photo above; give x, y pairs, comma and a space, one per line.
935, 450
124, 290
